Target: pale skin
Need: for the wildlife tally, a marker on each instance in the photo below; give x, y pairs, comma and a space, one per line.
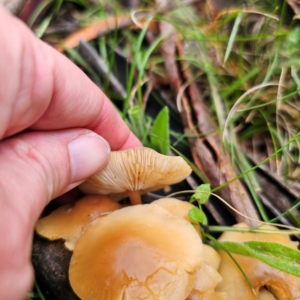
56, 129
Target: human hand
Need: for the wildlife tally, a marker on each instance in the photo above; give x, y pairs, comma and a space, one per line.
51, 120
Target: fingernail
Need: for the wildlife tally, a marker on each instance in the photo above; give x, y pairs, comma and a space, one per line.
88, 154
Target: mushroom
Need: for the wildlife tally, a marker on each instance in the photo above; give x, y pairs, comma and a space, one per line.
282, 285
134, 172
207, 277
132, 254
178, 208
69, 221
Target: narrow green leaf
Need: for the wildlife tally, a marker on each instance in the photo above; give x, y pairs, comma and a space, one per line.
136, 116
198, 215
273, 254
239, 82
160, 132
233, 35
203, 195
46, 21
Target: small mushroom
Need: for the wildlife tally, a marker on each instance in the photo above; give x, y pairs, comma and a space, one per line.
178, 208
207, 277
69, 221
134, 172
132, 254
282, 285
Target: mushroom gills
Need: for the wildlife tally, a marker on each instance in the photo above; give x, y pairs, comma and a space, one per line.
136, 171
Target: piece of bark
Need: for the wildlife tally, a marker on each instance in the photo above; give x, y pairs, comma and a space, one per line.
51, 263
94, 30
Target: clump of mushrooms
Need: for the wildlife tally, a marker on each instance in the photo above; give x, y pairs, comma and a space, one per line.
268, 283
134, 172
207, 277
132, 254
69, 221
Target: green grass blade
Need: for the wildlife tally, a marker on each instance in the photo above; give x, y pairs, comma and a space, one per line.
135, 62
136, 116
233, 35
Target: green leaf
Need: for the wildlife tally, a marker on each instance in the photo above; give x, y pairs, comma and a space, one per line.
273, 254
233, 35
203, 195
138, 123
160, 132
197, 215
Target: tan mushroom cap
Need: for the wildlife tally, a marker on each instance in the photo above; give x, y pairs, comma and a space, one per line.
282, 285
132, 254
139, 170
69, 221
178, 208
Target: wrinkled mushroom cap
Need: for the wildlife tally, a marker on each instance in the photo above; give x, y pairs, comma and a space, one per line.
178, 208
282, 285
138, 169
130, 254
69, 221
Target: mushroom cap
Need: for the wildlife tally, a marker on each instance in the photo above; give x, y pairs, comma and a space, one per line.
178, 208
69, 221
130, 254
138, 169
282, 285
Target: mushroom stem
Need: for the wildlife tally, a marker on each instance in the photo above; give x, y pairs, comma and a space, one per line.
135, 197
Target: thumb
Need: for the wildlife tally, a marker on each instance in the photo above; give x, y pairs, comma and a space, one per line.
35, 168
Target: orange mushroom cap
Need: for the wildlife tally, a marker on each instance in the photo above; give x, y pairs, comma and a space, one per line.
132, 254
69, 221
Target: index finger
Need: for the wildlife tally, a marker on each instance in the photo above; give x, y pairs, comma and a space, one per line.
41, 89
